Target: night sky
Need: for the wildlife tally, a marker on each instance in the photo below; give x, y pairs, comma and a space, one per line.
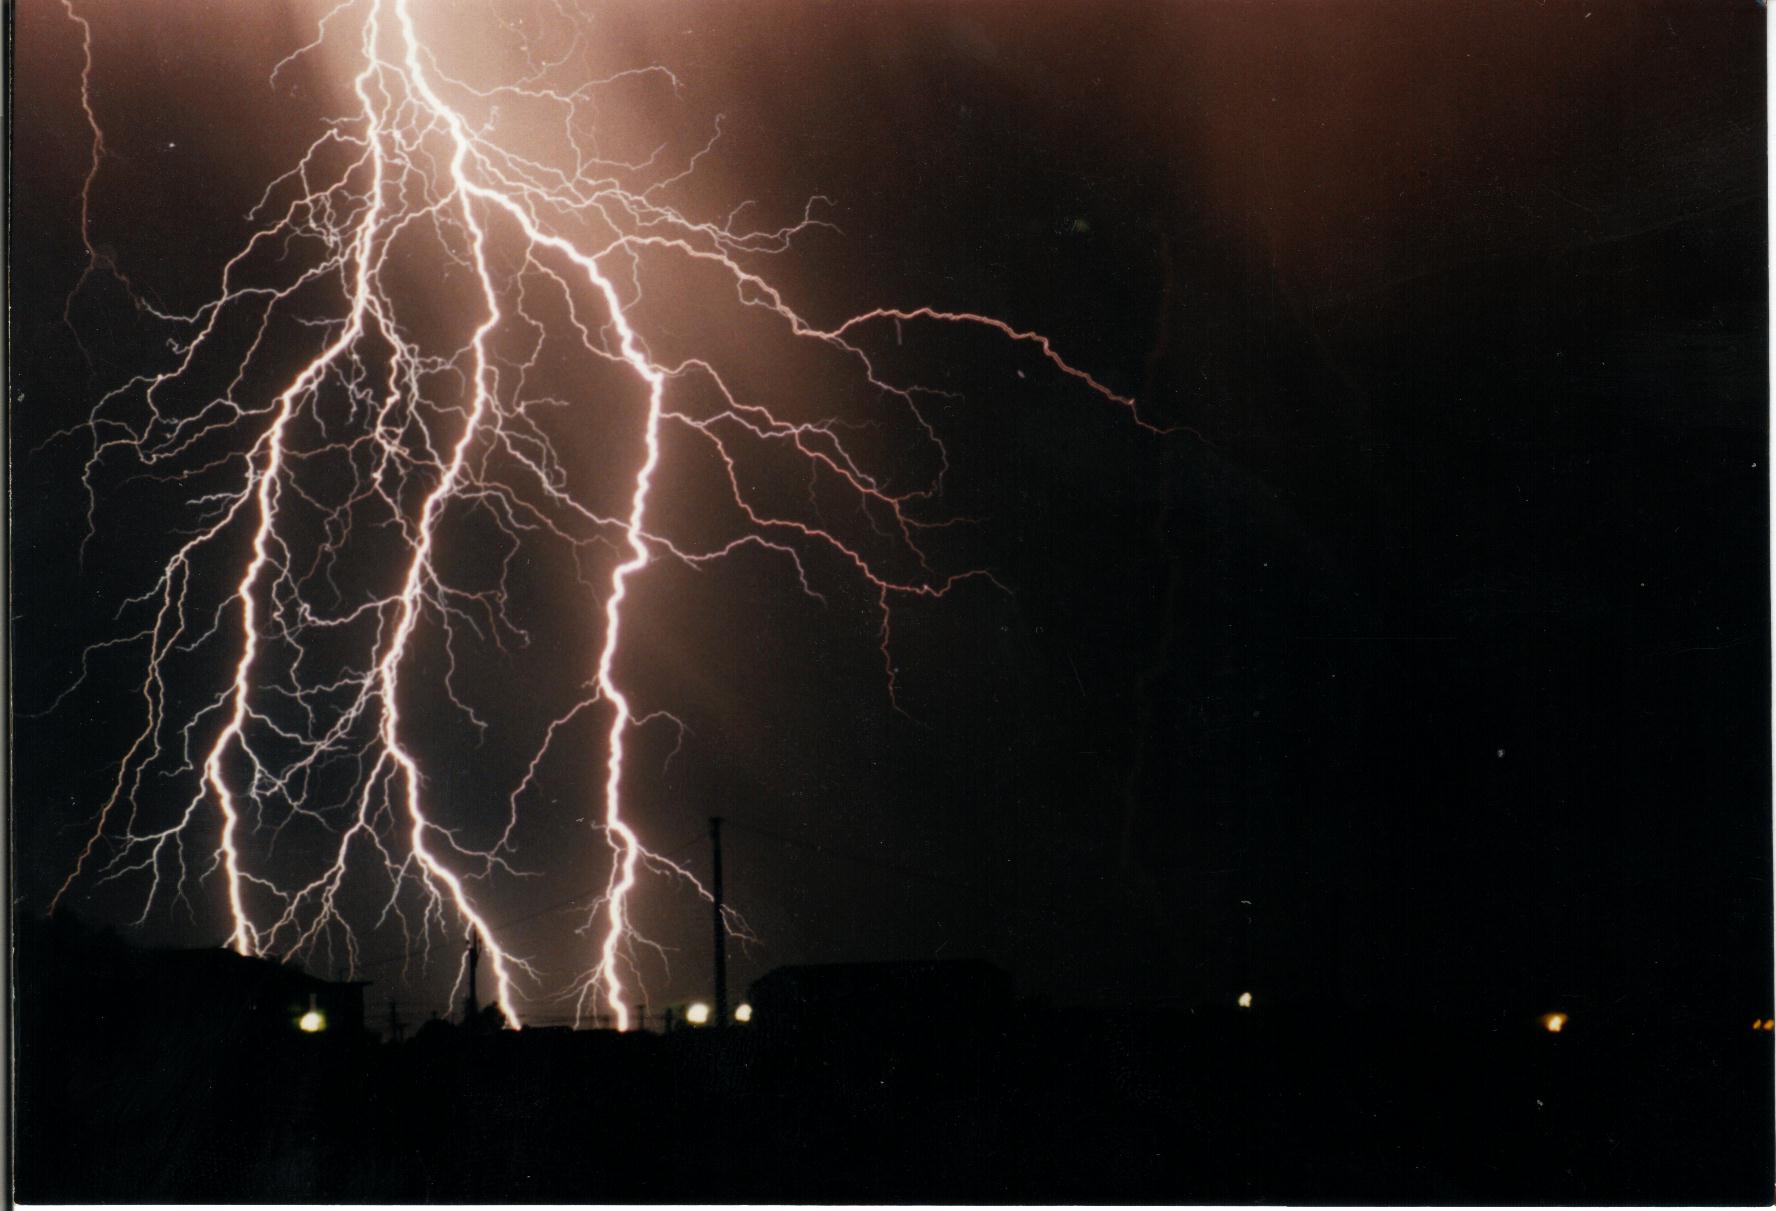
1425, 662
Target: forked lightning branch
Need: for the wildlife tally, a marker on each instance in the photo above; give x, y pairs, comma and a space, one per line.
348, 424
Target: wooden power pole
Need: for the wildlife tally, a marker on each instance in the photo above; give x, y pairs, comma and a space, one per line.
470, 1006
721, 929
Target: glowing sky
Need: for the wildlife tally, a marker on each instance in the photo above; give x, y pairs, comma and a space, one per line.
466, 343
1380, 671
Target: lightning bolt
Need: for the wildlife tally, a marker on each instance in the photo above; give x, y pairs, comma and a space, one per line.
387, 434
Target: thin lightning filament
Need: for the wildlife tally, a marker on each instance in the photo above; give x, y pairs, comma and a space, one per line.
329, 408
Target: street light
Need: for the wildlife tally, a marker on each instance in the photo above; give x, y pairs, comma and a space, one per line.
743, 1012
697, 1014
1245, 1000
1554, 1023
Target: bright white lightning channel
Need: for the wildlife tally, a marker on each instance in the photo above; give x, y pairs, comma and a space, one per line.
392, 428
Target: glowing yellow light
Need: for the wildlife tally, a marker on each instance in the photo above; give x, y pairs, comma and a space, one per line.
1554, 1023
743, 1012
697, 1014
1245, 1000
312, 1022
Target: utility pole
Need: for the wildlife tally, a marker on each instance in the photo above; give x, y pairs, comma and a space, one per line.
470, 1007
721, 929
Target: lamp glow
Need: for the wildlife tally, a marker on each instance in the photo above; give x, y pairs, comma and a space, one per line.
697, 1014
312, 1022
743, 1012
1245, 1000
1554, 1023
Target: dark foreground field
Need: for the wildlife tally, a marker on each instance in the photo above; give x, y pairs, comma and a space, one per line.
118, 1100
